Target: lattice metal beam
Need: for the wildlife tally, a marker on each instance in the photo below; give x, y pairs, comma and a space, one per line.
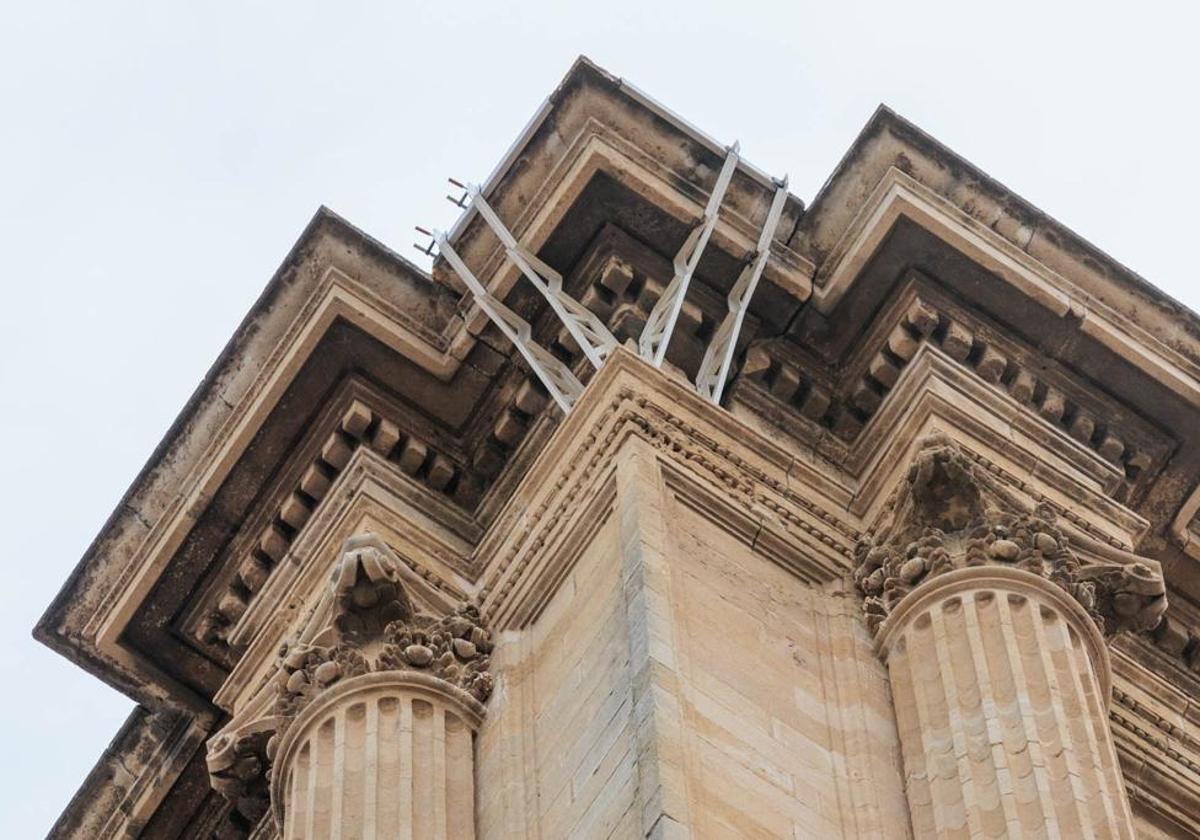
559, 380
588, 331
585, 328
656, 335
714, 368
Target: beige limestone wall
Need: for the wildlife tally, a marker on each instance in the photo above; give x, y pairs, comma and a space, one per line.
680, 684
556, 752
789, 729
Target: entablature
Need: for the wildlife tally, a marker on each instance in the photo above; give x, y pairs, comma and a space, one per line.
915, 296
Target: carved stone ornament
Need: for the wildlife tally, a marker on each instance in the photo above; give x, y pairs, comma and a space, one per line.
950, 514
366, 623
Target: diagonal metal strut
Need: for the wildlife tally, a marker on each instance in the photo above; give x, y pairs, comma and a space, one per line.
714, 368
559, 380
656, 335
585, 328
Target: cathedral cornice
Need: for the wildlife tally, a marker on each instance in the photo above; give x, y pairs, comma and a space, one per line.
914, 292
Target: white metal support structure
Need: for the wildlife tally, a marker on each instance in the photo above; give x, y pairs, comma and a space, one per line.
656, 335
714, 368
589, 332
559, 380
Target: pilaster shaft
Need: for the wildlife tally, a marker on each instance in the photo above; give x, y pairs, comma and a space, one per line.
1001, 684
380, 756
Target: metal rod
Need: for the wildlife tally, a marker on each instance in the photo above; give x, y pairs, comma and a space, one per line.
656, 335
557, 378
718, 357
588, 331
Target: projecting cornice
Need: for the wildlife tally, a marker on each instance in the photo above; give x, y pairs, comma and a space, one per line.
896, 169
915, 295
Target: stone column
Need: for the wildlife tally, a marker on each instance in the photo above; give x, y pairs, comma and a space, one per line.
1001, 683
382, 755
993, 631
366, 729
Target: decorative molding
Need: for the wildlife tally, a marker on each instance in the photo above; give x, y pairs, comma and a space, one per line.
949, 515
898, 194
134, 775
375, 628
754, 478
919, 316
370, 496
363, 623
268, 536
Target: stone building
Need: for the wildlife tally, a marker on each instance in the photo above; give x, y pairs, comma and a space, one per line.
665, 507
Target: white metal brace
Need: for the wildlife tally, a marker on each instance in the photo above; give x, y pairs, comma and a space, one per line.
656, 335
710, 379
559, 380
588, 331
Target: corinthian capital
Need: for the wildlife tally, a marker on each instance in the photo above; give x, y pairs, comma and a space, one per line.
364, 623
949, 514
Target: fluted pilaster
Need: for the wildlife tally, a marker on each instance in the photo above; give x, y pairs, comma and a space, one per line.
380, 756
366, 729
1001, 685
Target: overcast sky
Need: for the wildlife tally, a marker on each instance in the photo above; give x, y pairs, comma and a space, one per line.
157, 160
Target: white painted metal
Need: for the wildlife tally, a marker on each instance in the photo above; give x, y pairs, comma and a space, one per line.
589, 331
710, 379
656, 335
559, 380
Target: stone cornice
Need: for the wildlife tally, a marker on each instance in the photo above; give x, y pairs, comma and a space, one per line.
933, 390
1125, 453
802, 494
1155, 727
370, 495
358, 417
895, 168
133, 776
151, 530
147, 533
628, 400
900, 195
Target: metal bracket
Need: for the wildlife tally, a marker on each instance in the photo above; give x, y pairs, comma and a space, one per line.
656, 335
585, 328
714, 368
559, 380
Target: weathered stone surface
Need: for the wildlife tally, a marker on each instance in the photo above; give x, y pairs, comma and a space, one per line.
949, 516
685, 602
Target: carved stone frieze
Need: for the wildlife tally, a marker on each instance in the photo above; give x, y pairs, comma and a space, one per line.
951, 515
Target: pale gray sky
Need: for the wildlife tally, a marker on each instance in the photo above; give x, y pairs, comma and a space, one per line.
157, 160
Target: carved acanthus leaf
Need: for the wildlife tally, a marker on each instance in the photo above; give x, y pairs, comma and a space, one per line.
372, 626
949, 516
237, 769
